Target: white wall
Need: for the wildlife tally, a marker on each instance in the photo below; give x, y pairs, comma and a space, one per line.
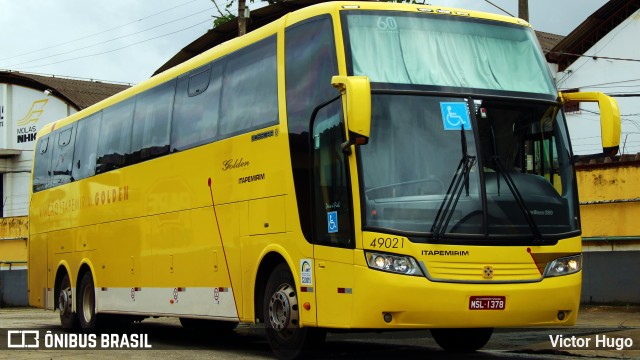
610, 77
25, 112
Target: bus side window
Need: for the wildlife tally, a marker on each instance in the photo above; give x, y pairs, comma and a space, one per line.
62, 150
115, 136
42, 162
197, 103
333, 225
152, 123
84, 157
250, 90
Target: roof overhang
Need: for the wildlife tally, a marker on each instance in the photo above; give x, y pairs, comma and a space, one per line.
594, 28
7, 153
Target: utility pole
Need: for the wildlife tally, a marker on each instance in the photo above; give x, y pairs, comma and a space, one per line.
523, 9
242, 20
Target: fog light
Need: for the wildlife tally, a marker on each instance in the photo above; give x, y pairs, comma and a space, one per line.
561, 315
387, 317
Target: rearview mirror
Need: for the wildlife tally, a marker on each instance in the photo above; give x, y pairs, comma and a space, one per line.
358, 107
609, 118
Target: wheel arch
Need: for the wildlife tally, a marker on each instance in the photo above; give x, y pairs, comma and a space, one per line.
268, 262
62, 269
85, 266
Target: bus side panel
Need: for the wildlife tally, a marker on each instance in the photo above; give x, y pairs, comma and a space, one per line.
120, 265
188, 254
231, 218
172, 265
37, 272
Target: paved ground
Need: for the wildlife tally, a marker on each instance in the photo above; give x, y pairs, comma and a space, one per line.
617, 325
603, 323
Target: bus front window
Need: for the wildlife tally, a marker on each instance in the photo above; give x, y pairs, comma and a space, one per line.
467, 140
517, 163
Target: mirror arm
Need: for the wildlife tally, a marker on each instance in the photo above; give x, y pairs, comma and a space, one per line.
346, 147
354, 139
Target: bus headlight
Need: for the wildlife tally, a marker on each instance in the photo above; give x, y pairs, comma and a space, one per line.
399, 264
564, 266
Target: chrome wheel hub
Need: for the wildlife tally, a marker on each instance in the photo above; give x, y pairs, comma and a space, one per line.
283, 309
64, 301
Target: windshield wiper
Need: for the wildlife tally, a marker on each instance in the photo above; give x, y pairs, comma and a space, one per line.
513, 188
459, 182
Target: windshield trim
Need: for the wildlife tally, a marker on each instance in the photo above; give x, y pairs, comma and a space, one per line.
428, 90
479, 239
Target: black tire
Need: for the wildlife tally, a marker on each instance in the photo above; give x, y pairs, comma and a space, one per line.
216, 326
68, 317
462, 340
86, 304
281, 317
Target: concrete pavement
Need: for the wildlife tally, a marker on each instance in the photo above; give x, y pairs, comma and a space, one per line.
601, 332
609, 332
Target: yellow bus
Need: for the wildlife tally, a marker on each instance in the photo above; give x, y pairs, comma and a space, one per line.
352, 165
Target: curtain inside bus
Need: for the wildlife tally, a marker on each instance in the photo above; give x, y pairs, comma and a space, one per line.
406, 48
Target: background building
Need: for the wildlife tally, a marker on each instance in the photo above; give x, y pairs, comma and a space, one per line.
27, 102
602, 54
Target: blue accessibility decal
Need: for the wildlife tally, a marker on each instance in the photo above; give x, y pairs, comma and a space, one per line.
332, 222
455, 116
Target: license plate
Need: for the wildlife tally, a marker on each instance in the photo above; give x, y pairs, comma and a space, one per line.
487, 302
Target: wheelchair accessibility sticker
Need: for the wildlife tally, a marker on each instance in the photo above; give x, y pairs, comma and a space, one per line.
455, 115
332, 222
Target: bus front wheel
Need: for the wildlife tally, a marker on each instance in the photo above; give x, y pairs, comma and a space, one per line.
462, 340
281, 316
68, 318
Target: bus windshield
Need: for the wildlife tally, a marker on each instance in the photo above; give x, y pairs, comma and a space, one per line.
427, 169
446, 51
491, 163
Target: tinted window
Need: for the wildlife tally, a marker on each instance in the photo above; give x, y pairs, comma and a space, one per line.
199, 81
41, 164
62, 155
115, 136
152, 122
331, 179
86, 148
195, 114
310, 64
250, 91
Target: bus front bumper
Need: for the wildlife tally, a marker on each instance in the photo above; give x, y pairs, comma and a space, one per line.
391, 301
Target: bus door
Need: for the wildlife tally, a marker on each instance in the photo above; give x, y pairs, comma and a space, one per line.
333, 222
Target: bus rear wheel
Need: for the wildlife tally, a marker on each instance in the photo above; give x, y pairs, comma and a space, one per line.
87, 304
281, 316
462, 340
68, 318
